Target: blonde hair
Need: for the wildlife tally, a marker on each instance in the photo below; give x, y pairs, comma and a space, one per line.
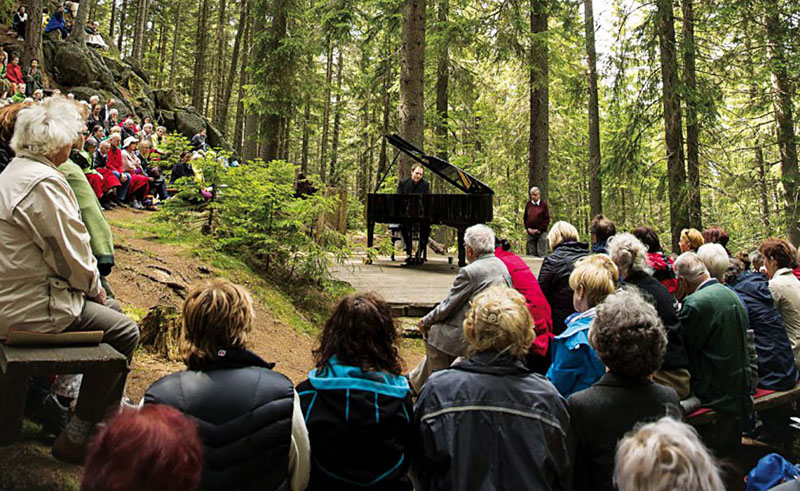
663, 456
216, 314
693, 237
598, 275
562, 232
498, 320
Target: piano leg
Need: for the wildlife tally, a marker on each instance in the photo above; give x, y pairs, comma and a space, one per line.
462, 253
370, 233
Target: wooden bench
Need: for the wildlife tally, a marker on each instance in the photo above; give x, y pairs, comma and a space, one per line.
19, 363
762, 401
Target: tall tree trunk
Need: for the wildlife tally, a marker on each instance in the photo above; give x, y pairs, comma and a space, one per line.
33, 33
782, 91
337, 118
77, 35
92, 8
442, 82
122, 13
222, 41
272, 119
411, 108
304, 152
250, 129
162, 51
113, 21
762, 183
139, 32
200, 56
383, 158
326, 112
539, 142
222, 117
175, 41
595, 182
673, 134
238, 126
692, 126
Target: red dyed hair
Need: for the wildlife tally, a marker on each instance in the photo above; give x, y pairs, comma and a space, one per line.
154, 448
778, 250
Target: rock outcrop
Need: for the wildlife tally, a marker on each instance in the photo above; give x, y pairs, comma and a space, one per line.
85, 71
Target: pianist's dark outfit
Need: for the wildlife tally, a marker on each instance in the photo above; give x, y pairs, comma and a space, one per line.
408, 186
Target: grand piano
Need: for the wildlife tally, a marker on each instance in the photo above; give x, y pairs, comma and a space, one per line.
455, 210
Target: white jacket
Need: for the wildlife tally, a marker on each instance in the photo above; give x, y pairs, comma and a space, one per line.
785, 289
46, 263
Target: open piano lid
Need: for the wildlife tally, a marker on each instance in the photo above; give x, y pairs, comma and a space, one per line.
456, 176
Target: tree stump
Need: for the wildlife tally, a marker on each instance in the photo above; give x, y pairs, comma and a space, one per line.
161, 331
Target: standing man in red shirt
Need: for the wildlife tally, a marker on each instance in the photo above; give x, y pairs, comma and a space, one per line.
536, 220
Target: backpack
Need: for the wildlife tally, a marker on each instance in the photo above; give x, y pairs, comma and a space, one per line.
770, 471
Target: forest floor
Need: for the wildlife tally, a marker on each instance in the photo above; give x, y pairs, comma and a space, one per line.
284, 330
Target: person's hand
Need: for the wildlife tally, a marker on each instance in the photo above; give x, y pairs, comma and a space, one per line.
533, 231
101, 297
422, 328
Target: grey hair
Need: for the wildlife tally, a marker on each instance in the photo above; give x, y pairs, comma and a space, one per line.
94, 99
628, 252
113, 111
45, 129
534, 187
480, 239
104, 143
690, 267
755, 256
663, 456
628, 335
715, 258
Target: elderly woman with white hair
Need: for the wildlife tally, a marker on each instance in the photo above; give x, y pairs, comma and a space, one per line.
663, 456
488, 422
630, 256
441, 327
629, 338
556, 268
50, 279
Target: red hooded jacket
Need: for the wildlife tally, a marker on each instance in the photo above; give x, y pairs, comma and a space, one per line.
525, 282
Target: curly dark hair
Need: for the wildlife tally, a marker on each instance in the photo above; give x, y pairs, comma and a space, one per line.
778, 250
649, 237
628, 335
360, 333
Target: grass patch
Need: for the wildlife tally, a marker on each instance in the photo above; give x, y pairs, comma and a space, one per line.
304, 307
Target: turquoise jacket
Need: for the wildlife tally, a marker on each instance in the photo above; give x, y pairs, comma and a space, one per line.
576, 365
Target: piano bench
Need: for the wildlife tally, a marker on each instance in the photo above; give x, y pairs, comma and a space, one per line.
396, 235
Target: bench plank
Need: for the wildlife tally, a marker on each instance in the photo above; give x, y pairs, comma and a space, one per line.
769, 401
60, 359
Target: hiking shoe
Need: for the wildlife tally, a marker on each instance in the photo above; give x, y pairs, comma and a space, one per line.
66, 450
52, 415
137, 205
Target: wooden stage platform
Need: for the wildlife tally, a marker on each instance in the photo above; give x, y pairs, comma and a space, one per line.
412, 291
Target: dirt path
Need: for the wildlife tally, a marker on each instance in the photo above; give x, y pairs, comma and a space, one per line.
272, 340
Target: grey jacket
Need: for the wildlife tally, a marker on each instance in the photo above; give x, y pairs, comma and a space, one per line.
489, 424
446, 320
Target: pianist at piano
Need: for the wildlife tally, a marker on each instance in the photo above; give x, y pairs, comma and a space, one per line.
423, 210
414, 185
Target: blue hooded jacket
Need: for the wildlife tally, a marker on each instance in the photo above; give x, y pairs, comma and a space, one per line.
360, 427
776, 366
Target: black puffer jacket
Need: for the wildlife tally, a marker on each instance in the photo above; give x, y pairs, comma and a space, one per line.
666, 306
554, 280
488, 423
243, 411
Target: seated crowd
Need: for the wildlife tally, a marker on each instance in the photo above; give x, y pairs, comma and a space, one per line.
576, 379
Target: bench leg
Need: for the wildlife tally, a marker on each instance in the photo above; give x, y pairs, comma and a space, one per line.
101, 392
13, 392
